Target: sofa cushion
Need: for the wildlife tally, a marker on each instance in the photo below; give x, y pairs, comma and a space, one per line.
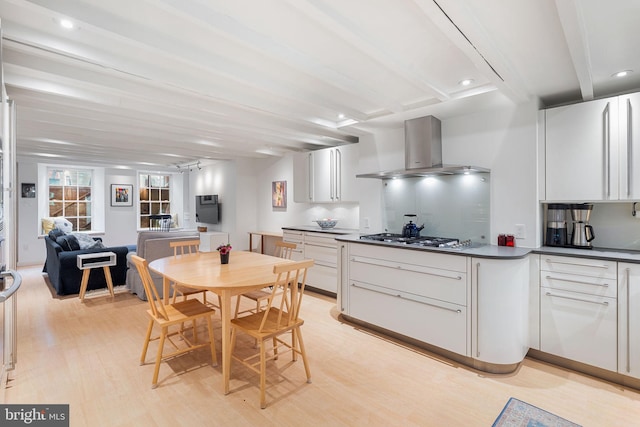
55, 233
47, 225
68, 242
63, 224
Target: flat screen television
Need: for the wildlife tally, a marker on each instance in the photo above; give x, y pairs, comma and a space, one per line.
207, 209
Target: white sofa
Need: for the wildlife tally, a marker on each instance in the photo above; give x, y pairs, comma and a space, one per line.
151, 246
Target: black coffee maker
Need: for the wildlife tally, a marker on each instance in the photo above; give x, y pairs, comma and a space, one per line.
556, 225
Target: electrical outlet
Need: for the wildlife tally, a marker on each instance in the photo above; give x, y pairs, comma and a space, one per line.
365, 221
520, 232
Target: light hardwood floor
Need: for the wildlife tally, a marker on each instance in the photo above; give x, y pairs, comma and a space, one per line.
87, 355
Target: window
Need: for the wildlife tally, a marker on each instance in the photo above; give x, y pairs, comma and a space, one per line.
70, 196
155, 196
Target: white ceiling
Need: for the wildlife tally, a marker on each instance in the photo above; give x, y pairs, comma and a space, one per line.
156, 83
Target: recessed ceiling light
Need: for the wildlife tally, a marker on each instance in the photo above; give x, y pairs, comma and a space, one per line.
622, 73
341, 116
466, 82
67, 23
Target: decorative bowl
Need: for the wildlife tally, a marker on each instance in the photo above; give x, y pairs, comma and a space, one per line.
326, 223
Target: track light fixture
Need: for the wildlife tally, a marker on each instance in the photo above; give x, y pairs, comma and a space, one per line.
189, 167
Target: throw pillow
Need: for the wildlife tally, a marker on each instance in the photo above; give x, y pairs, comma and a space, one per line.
68, 242
87, 242
63, 224
47, 225
55, 233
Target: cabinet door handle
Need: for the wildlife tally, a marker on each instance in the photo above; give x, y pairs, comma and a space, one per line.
629, 148
628, 315
477, 309
604, 285
550, 261
607, 149
338, 174
310, 177
332, 175
549, 294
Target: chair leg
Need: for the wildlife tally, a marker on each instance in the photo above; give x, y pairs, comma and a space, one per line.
263, 376
163, 334
145, 346
303, 353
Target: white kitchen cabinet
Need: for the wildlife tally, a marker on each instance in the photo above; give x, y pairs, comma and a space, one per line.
589, 150
578, 310
582, 151
418, 294
322, 248
297, 237
326, 176
500, 295
629, 319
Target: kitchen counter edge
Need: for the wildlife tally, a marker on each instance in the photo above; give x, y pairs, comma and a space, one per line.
316, 229
504, 252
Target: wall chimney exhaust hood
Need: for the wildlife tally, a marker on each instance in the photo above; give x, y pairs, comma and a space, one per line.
423, 153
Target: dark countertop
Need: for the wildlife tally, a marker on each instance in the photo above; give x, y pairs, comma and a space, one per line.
317, 229
622, 255
477, 250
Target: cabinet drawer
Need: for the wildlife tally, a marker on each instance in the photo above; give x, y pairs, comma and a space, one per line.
429, 282
599, 286
296, 237
320, 239
581, 266
579, 327
322, 277
323, 255
435, 322
408, 256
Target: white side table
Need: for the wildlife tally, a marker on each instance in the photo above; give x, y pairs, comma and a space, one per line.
98, 259
209, 241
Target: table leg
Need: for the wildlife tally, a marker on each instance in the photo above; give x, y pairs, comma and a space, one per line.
83, 283
250, 242
107, 275
226, 338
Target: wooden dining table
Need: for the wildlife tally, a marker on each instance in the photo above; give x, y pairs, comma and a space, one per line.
246, 271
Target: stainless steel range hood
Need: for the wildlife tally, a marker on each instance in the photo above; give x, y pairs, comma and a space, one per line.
423, 153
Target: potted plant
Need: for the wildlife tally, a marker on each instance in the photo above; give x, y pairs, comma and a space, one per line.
224, 253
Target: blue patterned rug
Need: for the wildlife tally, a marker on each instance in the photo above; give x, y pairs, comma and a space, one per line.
517, 413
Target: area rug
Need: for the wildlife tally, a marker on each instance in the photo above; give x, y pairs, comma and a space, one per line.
517, 413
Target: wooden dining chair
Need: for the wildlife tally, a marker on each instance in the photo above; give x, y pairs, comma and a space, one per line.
280, 317
283, 250
170, 315
186, 248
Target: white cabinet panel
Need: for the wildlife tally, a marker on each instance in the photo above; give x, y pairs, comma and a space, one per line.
500, 291
582, 266
579, 327
323, 277
435, 322
582, 151
326, 176
629, 319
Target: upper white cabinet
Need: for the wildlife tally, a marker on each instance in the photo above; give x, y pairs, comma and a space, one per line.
590, 153
326, 176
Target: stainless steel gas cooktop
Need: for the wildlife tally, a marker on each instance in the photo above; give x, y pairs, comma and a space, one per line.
436, 242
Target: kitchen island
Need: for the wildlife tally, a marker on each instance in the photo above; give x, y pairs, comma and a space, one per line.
468, 303
488, 307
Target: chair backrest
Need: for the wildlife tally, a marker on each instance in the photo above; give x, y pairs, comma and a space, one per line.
185, 247
284, 249
155, 302
287, 276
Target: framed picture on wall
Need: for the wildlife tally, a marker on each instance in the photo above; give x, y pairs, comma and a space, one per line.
121, 195
29, 191
279, 194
